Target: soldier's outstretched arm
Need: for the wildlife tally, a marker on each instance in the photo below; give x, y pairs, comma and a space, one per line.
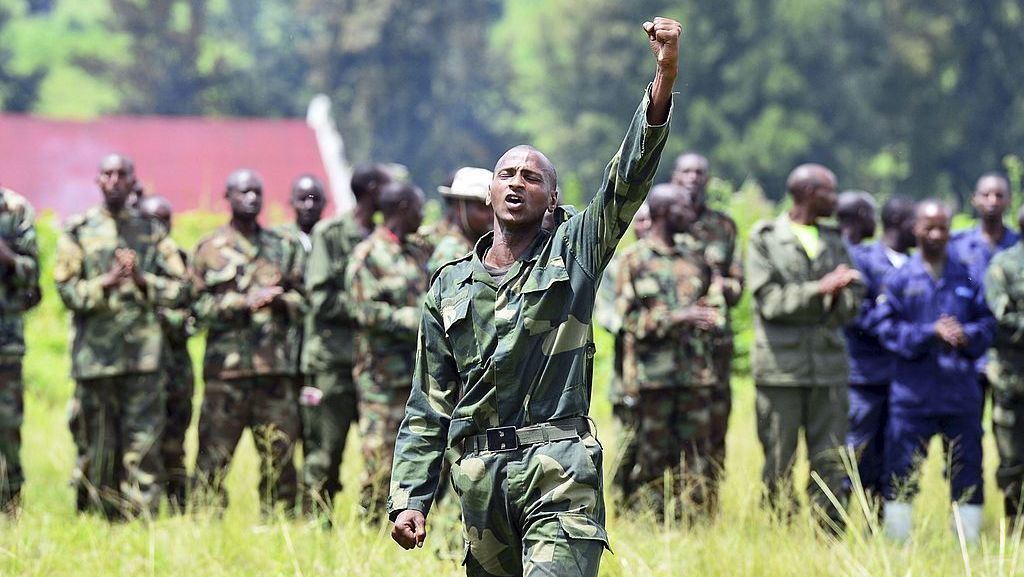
628, 176
423, 434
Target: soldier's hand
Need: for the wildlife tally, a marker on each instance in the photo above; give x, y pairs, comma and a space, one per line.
663, 36
698, 316
950, 331
261, 297
835, 281
410, 529
7, 255
115, 275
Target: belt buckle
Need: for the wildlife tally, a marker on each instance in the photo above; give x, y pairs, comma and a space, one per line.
502, 439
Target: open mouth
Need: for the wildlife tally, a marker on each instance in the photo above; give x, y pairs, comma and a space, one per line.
514, 201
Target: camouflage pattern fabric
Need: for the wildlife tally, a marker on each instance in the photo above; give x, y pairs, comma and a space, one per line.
1004, 291
388, 278
517, 353
265, 404
325, 429
116, 332
19, 291
122, 419
12, 411
449, 248
535, 511
327, 356
431, 235
227, 266
178, 383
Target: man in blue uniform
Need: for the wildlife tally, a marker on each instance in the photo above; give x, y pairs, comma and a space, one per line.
934, 317
871, 365
977, 246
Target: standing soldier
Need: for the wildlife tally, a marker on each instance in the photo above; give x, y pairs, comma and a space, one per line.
871, 365
178, 325
248, 282
329, 402
19, 291
1004, 289
713, 236
804, 290
388, 277
505, 359
469, 206
114, 271
661, 286
308, 201
933, 316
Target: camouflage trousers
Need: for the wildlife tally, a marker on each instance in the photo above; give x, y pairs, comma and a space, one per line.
1008, 429
265, 404
120, 471
537, 510
378, 426
325, 429
11, 415
179, 385
820, 413
680, 432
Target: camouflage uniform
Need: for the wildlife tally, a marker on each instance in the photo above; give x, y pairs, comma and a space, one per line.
799, 356
115, 355
514, 359
19, 291
388, 277
251, 361
1004, 290
431, 235
328, 353
714, 236
666, 371
179, 385
447, 249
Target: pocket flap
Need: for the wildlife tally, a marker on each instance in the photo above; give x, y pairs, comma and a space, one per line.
581, 526
453, 310
543, 278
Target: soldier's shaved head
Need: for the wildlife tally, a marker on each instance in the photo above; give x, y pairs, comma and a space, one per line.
397, 196
243, 179
661, 198
931, 208
367, 181
550, 174
813, 189
116, 160
116, 180
156, 207
931, 227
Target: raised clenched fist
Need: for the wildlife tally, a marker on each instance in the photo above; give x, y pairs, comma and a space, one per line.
663, 35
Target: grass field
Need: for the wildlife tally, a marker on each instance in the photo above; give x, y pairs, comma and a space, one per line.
746, 539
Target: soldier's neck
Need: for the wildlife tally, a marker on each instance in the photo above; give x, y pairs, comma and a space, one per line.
993, 230
248, 227
891, 239
510, 244
661, 236
801, 214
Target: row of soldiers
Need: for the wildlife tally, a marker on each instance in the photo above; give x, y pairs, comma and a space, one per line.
311, 327
867, 347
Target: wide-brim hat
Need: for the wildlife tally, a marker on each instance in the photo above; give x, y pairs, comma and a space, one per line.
469, 184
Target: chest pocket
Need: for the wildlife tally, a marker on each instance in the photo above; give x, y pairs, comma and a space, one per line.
546, 295
458, 327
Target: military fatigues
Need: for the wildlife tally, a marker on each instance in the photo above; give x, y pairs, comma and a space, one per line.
500, 362
19, 291
934, 387
388, 278
251, 360
665, 372
115, 355
447, 249
799, 357
1004, 290
713, 236
328, 354
179, 385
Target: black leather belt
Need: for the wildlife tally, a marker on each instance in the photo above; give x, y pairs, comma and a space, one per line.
510, 438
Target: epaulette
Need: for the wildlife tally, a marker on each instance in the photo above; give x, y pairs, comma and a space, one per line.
452, 263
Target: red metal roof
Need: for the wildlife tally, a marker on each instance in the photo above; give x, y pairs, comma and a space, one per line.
53, 163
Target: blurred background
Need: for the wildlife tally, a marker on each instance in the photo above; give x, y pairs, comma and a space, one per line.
912, 96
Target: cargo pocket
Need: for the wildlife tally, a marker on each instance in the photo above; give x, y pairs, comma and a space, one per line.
578, 526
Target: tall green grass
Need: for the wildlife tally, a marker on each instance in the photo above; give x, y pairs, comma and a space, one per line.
745, 539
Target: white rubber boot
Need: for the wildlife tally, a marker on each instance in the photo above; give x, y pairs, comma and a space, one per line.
970, 520
897, 520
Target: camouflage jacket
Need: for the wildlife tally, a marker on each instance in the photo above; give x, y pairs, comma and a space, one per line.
330, 326
1004, 291
293, 231
714, 237
20, 284
798, 338
431, 235
652, 283
388, 278
520, 351
226, 266
117, 331
179, 324
447, 249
